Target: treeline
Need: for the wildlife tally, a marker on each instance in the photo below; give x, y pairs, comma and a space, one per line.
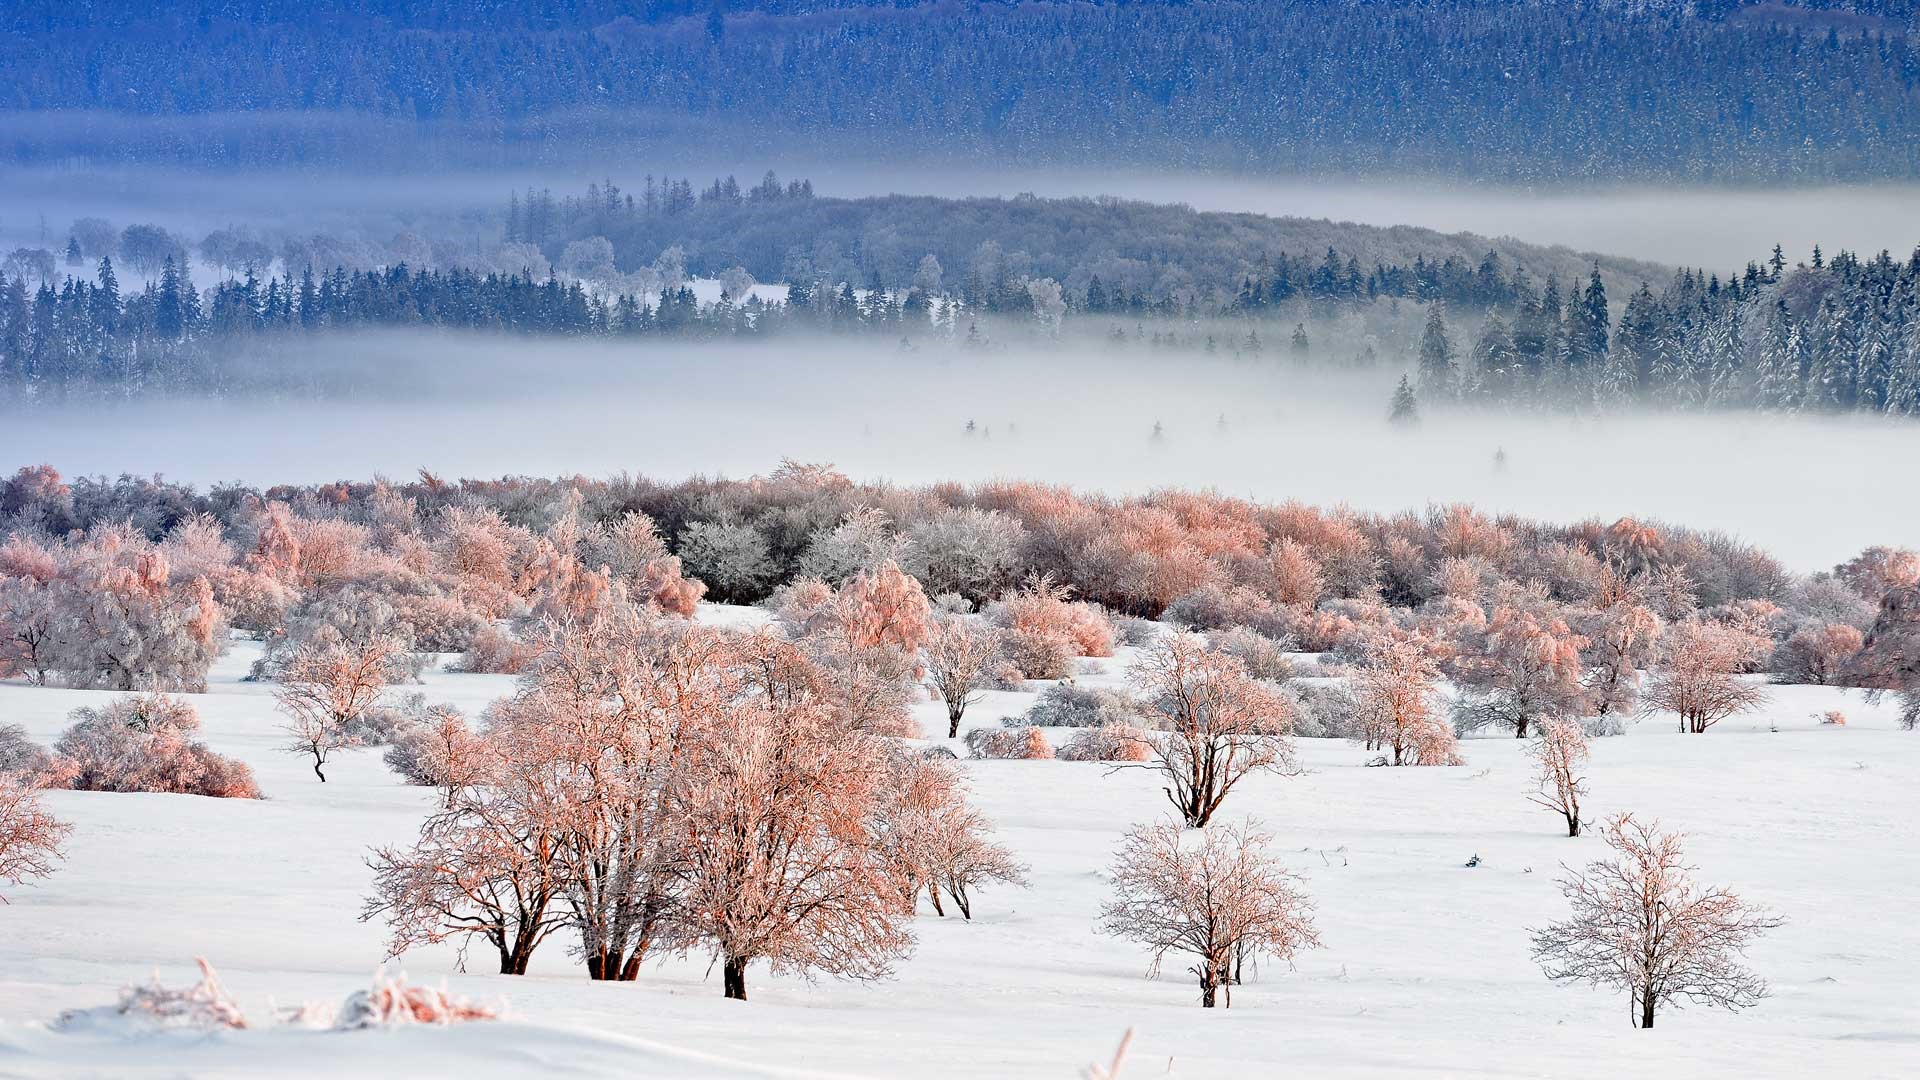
1107, 254
1839, 335
1574, 89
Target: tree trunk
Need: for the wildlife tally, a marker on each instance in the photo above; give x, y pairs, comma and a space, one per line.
1520, 728
933, 894
733, 975
953, 722
1646, 1011
317, 772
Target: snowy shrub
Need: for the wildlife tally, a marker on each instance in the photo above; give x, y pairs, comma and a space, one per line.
1327, 711
1264, 657
390, 1001
1833, 718
1816, 653
733, 560
22, 760
144, 743
1216, 607
938, 753
1108, 742
1027, 742
203, 1006
1066, 705
972, 553
1604, 727
1136, 631
1037, 655
30, 837
496, 651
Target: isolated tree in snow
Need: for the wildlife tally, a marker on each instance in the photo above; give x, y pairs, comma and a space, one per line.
1640, 923
1216, 895
1559, 753
1697, 676
933, 840
30, 837
1221, 724
779, 862
1395, 705
327, 683
958, 654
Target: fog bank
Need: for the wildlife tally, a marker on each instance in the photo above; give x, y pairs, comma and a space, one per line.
1812, 491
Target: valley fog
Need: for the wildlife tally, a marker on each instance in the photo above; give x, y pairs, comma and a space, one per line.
474, 406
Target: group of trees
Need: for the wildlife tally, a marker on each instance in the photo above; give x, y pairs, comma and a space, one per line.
657, 787
1579, 90
1836, 335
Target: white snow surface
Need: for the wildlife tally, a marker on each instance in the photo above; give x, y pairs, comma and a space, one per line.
1424, 970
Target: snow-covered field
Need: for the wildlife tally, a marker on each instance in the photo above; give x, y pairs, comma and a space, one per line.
1424, 971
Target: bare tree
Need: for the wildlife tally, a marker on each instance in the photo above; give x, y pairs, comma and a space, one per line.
1641, 924
328, 682
1559, 753
1396, 707
30, 837
1217, 896
1698, 678
1222, 724
958, 653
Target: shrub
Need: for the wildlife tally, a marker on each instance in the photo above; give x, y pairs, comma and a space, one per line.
1264, 657
1108, 742
1013, 743
1065, 705
496, 651
144, 743
22, 760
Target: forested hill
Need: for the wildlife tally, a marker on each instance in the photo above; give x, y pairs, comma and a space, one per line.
1152, 250
1718, 89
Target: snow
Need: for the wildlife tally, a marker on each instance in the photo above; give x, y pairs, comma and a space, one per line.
1424, 971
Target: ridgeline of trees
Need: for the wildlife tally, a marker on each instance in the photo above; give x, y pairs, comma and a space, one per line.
1833, 336
1573, 89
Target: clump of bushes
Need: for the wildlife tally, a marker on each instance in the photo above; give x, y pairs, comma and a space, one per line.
1108, 742
1014, 743
1066, 705
144, 742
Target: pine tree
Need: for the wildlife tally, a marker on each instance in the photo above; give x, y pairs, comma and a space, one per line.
1405, 408
1437, 369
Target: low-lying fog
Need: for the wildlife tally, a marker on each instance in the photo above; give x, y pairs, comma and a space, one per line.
1812, 491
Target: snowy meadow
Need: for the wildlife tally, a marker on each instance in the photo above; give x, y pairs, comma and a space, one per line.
282, 730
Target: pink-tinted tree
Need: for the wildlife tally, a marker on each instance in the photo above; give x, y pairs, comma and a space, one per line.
1220, 724
1559, 754
1217, 896
1697, 676
1641, 924
1525, 668
440, 750
327, 683
959, 655
1818, 653
30, 838
780, 864
1396, 707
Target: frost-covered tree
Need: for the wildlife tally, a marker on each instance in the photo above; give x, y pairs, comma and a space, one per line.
144, 743
1219, 724
1525, 667
1395, 705
1559, 753
30, 838
779, 864
1216, 895
1641, 924
959, 653
1698, 677
733, 560
327, 685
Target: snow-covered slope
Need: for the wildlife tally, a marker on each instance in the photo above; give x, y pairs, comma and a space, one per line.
1424, 970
